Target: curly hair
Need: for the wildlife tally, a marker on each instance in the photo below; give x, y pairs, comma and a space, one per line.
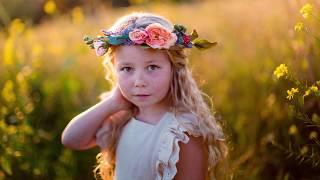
185, 96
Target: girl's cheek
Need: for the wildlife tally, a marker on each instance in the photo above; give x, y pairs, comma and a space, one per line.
124, 80
163, 74
121, 76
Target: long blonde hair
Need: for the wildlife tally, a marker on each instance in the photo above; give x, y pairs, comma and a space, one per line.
184, 95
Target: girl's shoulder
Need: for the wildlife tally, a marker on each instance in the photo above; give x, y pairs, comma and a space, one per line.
178, 129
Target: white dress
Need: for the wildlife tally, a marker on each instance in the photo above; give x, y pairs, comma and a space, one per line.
150, 152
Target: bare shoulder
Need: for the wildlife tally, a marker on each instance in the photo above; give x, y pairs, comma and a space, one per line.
192, 164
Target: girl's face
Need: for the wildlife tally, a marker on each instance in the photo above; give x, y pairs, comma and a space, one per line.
144, 76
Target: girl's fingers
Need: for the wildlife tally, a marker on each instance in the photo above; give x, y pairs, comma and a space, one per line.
121, 116
120, 100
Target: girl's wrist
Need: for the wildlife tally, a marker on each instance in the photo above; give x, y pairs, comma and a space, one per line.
108, 103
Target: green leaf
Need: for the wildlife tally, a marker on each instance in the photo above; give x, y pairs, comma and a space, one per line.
106, 46
203, 44
88, 40
180, 28
5, 164
194, 35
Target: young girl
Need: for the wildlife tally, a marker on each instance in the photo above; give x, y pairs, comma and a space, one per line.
154, 124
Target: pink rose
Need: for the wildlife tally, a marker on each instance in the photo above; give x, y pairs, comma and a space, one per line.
99, 48
160, 37
138, 36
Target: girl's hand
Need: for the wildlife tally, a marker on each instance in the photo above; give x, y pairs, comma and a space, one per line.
119, 101
80, 132
119, 117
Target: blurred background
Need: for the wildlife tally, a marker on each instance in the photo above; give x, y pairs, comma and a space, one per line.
263, 77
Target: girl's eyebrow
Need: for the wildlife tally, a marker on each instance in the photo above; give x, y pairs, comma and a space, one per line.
124, 63
129, 64
151, 61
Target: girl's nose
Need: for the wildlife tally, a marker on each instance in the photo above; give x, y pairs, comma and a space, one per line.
139, 80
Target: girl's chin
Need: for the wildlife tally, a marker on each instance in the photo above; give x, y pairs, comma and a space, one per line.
142, 105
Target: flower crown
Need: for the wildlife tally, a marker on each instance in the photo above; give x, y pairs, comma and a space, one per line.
153, 36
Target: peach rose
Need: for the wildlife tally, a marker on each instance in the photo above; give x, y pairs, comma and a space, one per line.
138, 36
160, 37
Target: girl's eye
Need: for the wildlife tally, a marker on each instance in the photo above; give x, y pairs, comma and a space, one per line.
153, 67
125, 69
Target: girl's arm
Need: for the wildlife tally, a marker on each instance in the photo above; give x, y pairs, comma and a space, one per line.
192, 164
80, 133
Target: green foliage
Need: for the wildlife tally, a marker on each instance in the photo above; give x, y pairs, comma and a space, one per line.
203, 44
303, 100
38, 98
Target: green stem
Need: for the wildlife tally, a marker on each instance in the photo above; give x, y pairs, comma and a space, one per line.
316, 17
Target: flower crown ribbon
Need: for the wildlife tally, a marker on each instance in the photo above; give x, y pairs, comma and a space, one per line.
153, 36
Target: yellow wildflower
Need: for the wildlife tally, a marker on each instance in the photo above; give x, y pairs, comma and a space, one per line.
304, 150
314, 88
292, 92
8, 91
311, 89
36, 171
299, 27
16, 26
17, 154
29, 107
50, 7
281, 70
313, 135
9, 51
306, 10
307, 93
293, 130
77, 15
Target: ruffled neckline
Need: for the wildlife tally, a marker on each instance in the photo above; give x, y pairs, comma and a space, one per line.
168, 154
137, 121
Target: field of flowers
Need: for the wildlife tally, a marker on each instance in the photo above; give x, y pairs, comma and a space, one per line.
263, 77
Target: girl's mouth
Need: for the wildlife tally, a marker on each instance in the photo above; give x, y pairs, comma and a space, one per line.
142, 96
